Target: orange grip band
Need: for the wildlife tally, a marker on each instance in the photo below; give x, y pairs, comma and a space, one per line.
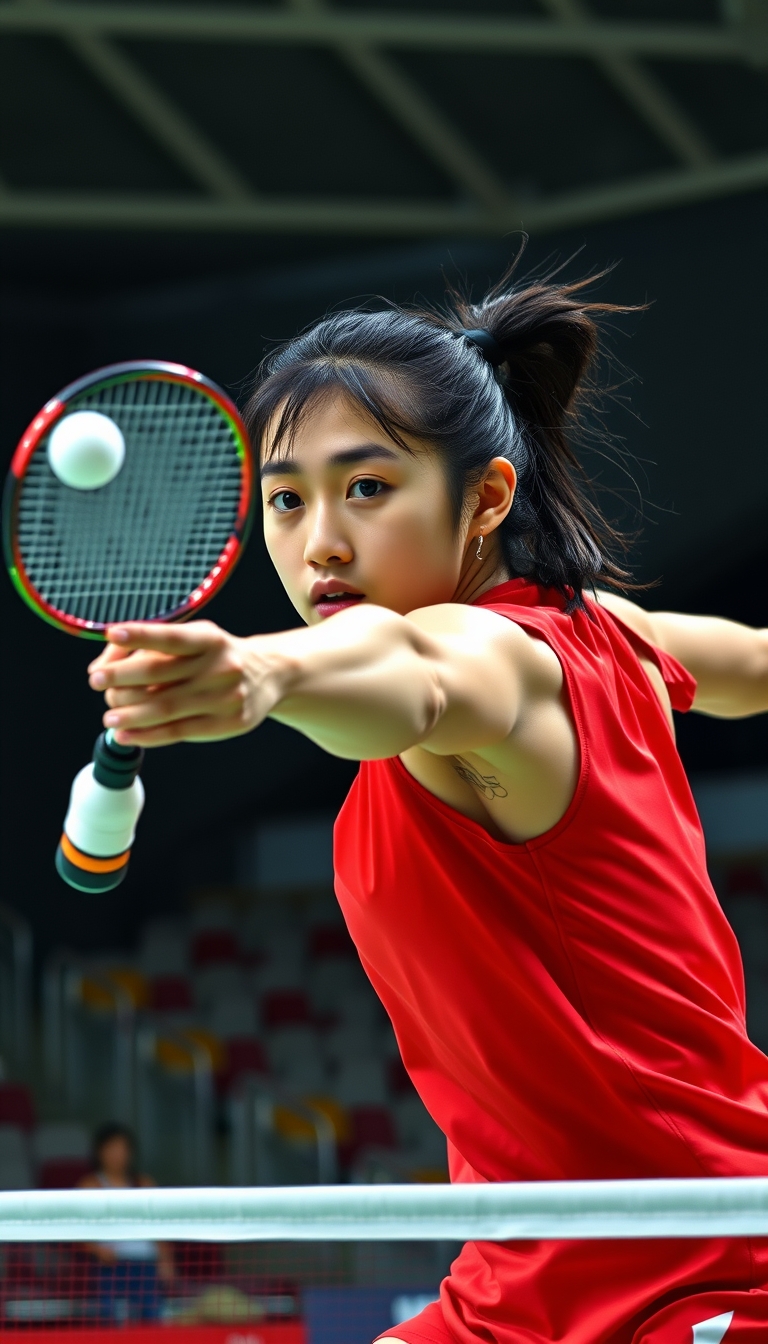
90, 865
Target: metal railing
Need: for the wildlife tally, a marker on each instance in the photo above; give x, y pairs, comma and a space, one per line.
175, 1106
278, 1139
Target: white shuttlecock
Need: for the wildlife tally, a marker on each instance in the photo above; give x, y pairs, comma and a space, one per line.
86, 450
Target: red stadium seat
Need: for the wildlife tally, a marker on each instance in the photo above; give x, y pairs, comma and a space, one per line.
62, 1173
372, 1125
285, 1008
211, 946
244, 1055
17, 1106
170, 993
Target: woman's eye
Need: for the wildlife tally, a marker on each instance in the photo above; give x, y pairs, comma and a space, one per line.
285, 500
366, 489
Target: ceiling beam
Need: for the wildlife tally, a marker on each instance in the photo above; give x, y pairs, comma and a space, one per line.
422, 121
168, 126
216, 23
166, 123
131, 211
647, 97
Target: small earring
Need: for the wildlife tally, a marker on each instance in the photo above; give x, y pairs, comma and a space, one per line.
478, 556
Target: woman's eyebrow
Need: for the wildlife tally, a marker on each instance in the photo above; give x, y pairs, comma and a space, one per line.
364, 452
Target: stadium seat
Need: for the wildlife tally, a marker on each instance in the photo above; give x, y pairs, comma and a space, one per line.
210, 947
15, 1165
62, 1173
272, 975
244, 1055
370, 1127
163, 949
60, 1139
330, 979
361, 1082
170, 994
218, 980
233, 1015
417, 1133
285, 1008
17, 1106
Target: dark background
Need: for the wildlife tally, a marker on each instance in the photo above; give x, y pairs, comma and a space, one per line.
689, 471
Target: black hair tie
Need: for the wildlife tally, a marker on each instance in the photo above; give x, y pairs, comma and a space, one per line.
486, 343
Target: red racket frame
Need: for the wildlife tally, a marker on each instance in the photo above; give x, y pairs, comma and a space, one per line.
160, 371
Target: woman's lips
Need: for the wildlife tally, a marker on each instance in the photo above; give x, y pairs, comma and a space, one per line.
328, 606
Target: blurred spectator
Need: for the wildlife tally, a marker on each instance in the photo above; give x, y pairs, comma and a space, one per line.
129, 1272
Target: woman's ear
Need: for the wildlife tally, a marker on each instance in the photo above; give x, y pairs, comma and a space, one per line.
495, 494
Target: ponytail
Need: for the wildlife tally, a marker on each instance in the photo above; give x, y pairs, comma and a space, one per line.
509, 386
546, 344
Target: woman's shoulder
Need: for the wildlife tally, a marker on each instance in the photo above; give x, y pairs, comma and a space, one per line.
638, 620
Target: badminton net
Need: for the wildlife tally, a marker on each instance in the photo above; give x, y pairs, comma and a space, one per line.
304, 1265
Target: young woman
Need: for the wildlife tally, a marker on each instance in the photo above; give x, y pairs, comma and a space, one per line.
519, 861
129, 1271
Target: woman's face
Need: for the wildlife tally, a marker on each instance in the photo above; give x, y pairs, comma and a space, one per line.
115, 1157
350, 517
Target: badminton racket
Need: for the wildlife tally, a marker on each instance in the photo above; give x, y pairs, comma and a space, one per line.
159, 540
155, 542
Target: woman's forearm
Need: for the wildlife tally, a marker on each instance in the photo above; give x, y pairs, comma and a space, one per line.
362, 685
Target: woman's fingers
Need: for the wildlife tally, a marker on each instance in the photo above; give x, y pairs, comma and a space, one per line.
142, 653
197, 687
144, 669
148, 710
166, 683
203, 728
182, 641
111, 653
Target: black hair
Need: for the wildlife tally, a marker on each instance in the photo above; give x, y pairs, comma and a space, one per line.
414, 374
112, 1129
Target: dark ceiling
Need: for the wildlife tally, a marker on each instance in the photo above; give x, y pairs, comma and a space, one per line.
309, 125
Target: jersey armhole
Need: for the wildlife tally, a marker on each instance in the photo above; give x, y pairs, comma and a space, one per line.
680, 683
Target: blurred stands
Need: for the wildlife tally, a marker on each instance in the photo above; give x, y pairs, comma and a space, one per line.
244, 1043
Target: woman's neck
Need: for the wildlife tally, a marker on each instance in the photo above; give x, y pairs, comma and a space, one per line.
480, 578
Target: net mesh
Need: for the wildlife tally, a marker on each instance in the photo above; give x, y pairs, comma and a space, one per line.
282, 1293
136, 548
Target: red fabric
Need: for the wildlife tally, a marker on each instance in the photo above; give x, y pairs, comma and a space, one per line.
571, 1007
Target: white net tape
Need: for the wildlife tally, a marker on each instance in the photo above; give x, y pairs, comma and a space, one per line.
541, 1210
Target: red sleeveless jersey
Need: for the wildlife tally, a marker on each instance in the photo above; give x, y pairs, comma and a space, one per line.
571, 1007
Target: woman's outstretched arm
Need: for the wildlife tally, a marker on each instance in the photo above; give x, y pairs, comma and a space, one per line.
364, 684
728, 660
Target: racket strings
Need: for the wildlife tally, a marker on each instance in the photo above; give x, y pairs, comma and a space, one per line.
137, 548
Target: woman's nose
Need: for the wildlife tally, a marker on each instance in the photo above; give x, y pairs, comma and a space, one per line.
325, 544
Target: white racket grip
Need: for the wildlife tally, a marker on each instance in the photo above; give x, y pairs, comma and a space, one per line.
101, 821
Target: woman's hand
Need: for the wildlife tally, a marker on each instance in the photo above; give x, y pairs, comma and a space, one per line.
181, 683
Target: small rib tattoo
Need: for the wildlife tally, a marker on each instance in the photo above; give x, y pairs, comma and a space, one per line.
488, 785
